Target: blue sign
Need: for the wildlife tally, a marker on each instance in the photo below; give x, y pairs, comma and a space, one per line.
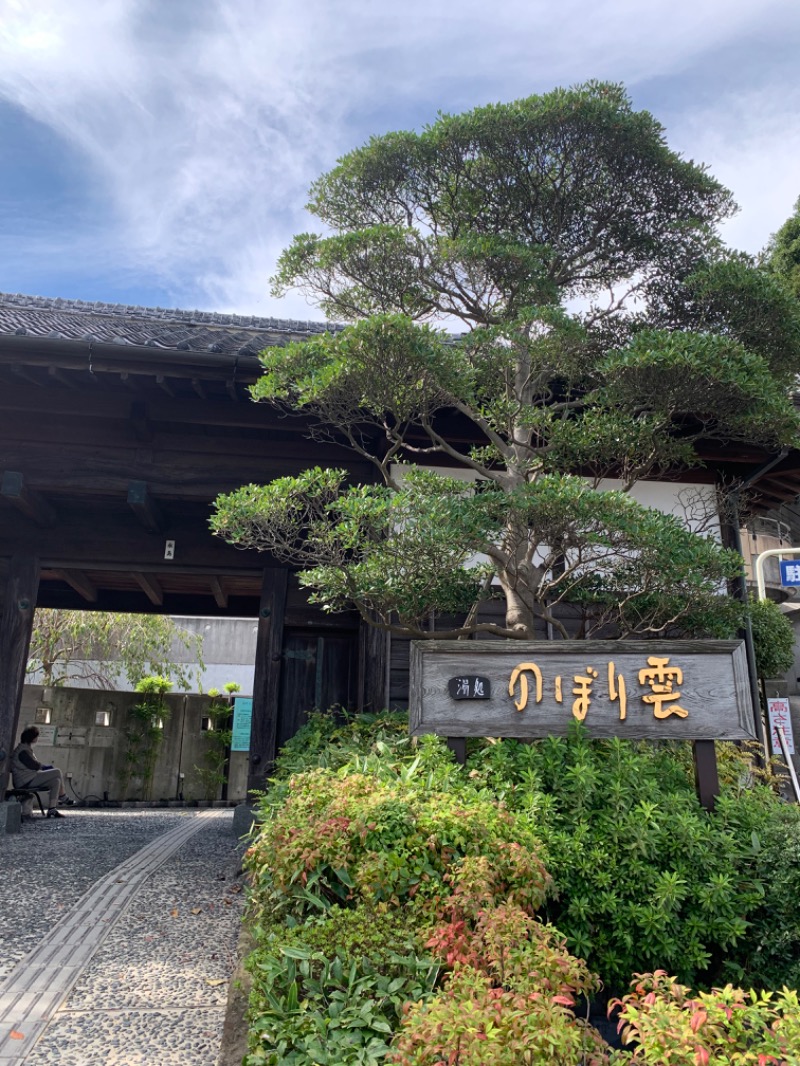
242, 720
790, 572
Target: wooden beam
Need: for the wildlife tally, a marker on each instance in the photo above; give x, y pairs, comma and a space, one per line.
31, 503
232, 391
77, 579
145, 507
706, 775
267, 679
139, 419
150, 587
54, 374
165, 386
197, 385
18, 602
25, 375
220, 596
789, 484
129, 381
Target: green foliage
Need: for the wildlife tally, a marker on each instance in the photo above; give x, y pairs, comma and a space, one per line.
503, 207
753, 307
769, 954
684, 377
783, 252
773, 636
643, 876
501, 217
472, 1022
344, 838
308, 1008
714, 1028
398, 902
216, 741
144, 732
332, 989
103, 648
402, 554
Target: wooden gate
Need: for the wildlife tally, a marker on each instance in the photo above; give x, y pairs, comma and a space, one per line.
318, 671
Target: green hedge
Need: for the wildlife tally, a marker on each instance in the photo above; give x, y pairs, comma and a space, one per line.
409, 911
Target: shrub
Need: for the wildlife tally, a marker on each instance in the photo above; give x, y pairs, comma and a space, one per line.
773, 637
769, 954
398, 901
144, 732
644, 876
331, 991
216, 741
472, 1022
349, 837
715, 1028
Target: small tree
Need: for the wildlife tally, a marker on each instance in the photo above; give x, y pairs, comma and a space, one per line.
773, 635
144, 733
608, 333
102, 648
216, 740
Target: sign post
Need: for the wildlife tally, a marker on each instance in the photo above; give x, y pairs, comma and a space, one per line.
639, 690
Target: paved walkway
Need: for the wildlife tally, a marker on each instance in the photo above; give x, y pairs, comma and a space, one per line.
118, 932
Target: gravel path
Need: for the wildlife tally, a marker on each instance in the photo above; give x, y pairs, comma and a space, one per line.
154, 991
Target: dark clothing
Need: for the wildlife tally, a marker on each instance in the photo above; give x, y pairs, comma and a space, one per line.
27, 772
28, 759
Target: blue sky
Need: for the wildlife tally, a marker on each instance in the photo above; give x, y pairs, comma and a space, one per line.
159, 152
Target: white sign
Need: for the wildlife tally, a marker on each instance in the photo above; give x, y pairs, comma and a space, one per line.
47, 735
780, 717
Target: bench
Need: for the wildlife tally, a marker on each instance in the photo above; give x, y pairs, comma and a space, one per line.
22, 794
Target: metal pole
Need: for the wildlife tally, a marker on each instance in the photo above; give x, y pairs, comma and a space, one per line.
751, 479
761, 584
788, 760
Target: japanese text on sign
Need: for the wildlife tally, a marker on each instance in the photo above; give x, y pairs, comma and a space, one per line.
780, 719
658, 678
469, 687
790, 573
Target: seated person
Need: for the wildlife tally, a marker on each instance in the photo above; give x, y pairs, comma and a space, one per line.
28, 772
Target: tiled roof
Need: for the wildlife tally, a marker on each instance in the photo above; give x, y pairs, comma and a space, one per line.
153, 327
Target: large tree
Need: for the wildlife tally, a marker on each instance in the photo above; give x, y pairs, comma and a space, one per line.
101, 649
540, 300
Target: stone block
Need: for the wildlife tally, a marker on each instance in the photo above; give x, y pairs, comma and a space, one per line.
10, 817
244, 816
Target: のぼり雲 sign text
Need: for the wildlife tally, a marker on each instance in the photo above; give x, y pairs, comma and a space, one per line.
685, 690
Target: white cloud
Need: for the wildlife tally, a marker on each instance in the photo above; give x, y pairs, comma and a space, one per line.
752, 145
205, 122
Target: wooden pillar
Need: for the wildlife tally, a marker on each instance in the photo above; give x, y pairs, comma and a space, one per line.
267, 680
372, 655
458, 746
706, 776
16, 625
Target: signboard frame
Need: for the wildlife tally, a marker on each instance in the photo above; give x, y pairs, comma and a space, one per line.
710, 677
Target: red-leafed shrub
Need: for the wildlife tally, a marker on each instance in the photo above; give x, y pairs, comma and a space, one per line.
474, 1023
668, 1024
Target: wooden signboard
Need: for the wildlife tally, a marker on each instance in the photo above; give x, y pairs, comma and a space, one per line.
681, 690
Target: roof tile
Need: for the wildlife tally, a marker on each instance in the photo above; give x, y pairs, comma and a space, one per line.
154, 327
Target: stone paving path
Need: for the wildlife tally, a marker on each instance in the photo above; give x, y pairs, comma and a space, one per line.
135, 971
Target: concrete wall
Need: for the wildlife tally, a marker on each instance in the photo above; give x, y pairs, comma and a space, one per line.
94, 754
